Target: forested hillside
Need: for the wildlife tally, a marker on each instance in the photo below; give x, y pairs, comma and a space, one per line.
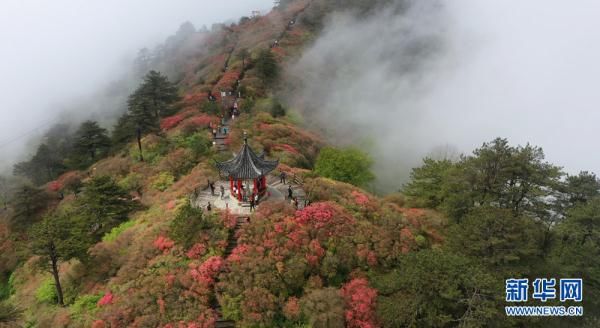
97, 228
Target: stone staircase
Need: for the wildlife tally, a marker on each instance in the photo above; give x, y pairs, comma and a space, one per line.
220, 138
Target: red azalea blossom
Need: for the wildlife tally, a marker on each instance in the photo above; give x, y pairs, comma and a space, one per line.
98, 324
238, 252
164, 244
161, 305
202, 120
360, 198
171, 122
195, 99
320, 215
55, 186
286, 147
207, 271
360, 302
170, 279
106, 299
291, 310
196, 251
171, 205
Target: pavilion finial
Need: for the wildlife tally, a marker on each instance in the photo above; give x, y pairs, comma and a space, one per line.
245, 137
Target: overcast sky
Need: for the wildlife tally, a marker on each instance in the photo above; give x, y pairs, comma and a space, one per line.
459, 74
54, 51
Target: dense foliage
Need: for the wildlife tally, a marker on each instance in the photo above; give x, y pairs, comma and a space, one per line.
125, 248
347, 165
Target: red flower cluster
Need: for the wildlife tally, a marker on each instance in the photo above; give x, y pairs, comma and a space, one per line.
202, 120
171, 204
227, 81
164, 244
286, 147
207, 271
195, 99
107, 299
55, 186
98, 324
291, 310
321, 215
171, 121
238, 252
360, 198
196, 251
360, 301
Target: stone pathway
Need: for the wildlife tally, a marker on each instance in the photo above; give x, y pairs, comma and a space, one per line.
229, 202
276, 191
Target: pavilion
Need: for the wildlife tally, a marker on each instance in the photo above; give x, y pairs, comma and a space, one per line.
247, 166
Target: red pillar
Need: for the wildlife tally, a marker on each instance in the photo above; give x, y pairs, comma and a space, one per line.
254, 191
240, 190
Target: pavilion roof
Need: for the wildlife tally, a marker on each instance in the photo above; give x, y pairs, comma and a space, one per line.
246, 165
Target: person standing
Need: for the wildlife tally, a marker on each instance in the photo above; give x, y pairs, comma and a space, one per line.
252, 204
212, 188
290, 192
222, 191
282, 177
208, 207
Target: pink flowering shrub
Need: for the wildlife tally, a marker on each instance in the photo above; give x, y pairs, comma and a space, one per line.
164, 244
107, 299
98, 324
360, 198
170, 122
360, 304
287, 148
291, 309
55, 186
206, 272
196, 251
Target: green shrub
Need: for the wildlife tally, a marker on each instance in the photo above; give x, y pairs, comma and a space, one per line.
231, 307
211, 107
46, 292
84, 304
132, 182
198, 143
348, 165
152, 153
116, 231
163, 181
277, 110
4, 289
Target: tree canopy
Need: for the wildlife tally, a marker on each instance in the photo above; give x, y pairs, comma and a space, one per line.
152, 100
348, 165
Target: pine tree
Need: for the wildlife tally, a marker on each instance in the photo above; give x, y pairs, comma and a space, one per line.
104, 205
44, 166
91, 140
159, 93
152, 100
59, 237
267, 67
27, 203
